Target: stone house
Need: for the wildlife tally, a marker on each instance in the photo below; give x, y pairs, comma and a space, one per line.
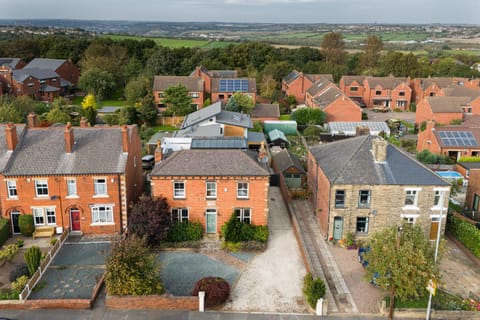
208, 186
81, 178
363, 184
195, 87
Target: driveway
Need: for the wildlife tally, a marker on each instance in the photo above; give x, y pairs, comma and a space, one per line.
383, 116
273, 280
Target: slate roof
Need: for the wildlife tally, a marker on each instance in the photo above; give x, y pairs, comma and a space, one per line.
9, 62
41, 151
4, 154
276, 134
221, 116
348, 80
447, 104
235, 119
219, 143
327, 97
20, 75
385, 82
319, 86
255, 137
193, 84
252, 84
202, 114
284, 159
41, 63
291, 76
351, 162
266, 110
211, 162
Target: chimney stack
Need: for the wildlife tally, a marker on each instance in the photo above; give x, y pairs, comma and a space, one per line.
379, 147
32, 120
11, 136
262, 153
158, 152
124, 138
68, 133
83, 122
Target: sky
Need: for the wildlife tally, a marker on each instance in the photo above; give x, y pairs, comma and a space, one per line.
270, 11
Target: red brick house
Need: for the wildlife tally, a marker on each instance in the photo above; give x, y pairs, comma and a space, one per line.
473, 105
353, 87
224, 88
442, 110
81, 178
208, 186
66, 70
472, 198
390, 92
452, 141
194, 85
40, 84
429, 87
208, 75
364, 184
297, 83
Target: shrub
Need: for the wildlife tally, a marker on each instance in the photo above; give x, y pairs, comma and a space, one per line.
8, 252
21, 270
53, 241
20, 243
465, 232
313, 289
427, 157
19, 284
364, 116
185, 231
9, 294
217, 290
261, 233
232, 246
32, 257
132, 269
4, 230
236, 231
25, 223
312, 131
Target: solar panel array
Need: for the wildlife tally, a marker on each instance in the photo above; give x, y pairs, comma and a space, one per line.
233, 85
457, 138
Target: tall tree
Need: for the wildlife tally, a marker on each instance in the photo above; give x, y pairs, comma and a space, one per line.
177, 100
98, 82
137, 88
333, 47
371, 54
146, 109
240, 102
402, 261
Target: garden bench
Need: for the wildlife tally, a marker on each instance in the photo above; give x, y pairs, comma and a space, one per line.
43, 232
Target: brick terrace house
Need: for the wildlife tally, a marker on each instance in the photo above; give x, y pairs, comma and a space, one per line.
297, 83
390, 92
452, 141
195, 87
352, 87
442, 110
223, 89
208, 186
68, 72
208, 75
81, 178
364, 184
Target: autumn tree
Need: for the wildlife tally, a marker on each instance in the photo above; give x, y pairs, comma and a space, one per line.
240, 102
150, 218
333, 47
89, 105
177, 100
371, 54
401, 260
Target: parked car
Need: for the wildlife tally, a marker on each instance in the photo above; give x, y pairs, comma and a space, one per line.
148, 162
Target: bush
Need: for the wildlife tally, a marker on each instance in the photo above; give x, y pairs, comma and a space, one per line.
21, 270
4, 230
9, 294
427, 157
8, 252
312, 131
236, 231
465, 232
185, 231
313, 289
20, 283
217, 290
364, 116
261, 233
25, 223
32, 257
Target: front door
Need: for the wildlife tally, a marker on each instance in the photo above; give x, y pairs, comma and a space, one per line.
434, 228
75, 219
211, 217
337, 228
476, 201
14, 218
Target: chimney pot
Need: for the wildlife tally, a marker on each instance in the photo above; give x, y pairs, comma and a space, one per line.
32, 120
158, 152
68, 134
11, 136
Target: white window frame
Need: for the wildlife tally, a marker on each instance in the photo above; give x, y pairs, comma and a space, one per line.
369, 197
102, 209
242, 189
71, 188
244, 215
401, 103
179, 193
100, 188
340, 204
178, 215
46, 214
12, 189
365, 230
40, 185
211, 189
408, 193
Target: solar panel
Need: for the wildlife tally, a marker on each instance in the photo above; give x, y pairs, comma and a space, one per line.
233, 85
457, 138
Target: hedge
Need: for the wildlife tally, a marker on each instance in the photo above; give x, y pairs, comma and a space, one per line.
313, 289
4, 230
465, 232
26, 224
185, 231
237, 231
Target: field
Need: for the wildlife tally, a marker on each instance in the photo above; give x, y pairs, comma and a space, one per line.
175, 43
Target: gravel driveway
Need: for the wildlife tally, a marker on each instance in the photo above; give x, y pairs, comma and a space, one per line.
273, 280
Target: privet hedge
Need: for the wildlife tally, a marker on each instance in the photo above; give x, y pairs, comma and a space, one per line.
465, 232
185, 231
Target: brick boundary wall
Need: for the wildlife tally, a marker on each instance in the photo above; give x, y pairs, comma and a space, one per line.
46, 304
165, 302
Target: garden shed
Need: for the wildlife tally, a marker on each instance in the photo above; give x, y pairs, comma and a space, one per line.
278, 138
288, 165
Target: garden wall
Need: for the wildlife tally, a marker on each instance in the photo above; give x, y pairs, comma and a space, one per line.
166, 302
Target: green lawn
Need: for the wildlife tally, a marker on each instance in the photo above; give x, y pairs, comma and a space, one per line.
284, 117
112, 102
174, 43
442, 301
164, 128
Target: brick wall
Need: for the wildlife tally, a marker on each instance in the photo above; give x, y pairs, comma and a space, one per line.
166, 302
473, 187
69, 72
298, 88
343, 109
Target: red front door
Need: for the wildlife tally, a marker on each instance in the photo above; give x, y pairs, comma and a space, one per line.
75, 219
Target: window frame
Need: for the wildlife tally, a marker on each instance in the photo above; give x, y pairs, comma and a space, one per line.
179, 193
44, 216
41, 184
96, 187
178, 215
213, 191
365, 204
243, 215
436, 198
12, 190
340, 193
107, 209
365, 225
69, 187
408, 194
378, 92
242, 193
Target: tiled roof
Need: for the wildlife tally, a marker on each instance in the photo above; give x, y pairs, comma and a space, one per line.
317, 77
235, 119
319, 86
4, 154
252, 84
211, 162
351, 162
262, 110
348, 80
222, 73
461, 91
447, 104
440, 82
284, 159
474, 131
328, 96
385, 82
21, 75
193, 84
41, 151
41, 63
9, 62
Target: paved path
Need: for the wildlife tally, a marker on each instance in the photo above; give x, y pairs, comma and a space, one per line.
321, 261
